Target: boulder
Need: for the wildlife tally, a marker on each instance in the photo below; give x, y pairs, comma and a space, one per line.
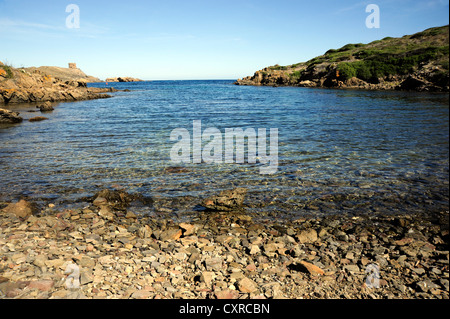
7, 116
22, 209
46, 107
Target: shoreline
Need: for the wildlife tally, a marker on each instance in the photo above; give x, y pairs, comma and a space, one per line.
217, 254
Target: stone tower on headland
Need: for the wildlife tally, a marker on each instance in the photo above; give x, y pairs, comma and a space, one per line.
72, 65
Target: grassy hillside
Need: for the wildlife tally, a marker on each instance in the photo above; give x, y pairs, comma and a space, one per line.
381, 64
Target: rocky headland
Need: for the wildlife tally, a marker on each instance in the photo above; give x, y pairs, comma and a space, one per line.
44, 86
72, 73
105, 250
418, 62
21, 86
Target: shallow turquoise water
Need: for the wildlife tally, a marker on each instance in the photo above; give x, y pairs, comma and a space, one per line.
353, 152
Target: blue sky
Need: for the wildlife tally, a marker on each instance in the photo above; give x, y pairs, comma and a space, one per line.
197, 39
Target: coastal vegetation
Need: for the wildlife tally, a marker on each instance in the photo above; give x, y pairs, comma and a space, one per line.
421, 59
5, 71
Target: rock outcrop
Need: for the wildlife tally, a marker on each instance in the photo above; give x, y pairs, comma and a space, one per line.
417, 62
123, 79
72, 73
21, 86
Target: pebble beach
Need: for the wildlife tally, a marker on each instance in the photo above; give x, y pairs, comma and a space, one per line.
218, 254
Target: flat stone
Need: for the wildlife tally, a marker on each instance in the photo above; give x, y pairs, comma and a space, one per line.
188, 229
352, 268
170, 234
214, 263
227, 294
307, 236
312, 269
43, 285
247, 285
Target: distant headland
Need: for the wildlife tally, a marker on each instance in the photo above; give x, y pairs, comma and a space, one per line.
418, 62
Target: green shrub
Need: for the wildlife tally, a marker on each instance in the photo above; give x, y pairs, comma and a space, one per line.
363, 71
278, 67
346, 70
296, 75
7, 68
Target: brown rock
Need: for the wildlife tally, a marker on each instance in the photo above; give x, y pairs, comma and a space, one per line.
312, 269
130, 215
43, 285
145, 232
106, 212
142, 294
170, 234
46, 107
227, 294
12, 289
22, 209
100, 201
227, 200
307, 236
38, 119
247, 285
189, 229
7, 116
123, 79
207, 277
215, 263
118, 199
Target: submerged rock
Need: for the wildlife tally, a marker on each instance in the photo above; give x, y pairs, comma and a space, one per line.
7, 116
46, 107
227, 200
38, 119
22, 209
118, 199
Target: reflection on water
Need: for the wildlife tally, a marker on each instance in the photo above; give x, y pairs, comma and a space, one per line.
339, 151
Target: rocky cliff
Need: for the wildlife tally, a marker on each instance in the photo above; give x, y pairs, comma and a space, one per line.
22, 86
418, 62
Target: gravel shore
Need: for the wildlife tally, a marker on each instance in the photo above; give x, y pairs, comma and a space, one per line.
106, 251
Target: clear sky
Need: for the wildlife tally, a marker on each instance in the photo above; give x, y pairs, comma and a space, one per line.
197, 39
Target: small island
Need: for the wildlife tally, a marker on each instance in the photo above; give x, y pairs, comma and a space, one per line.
123, 79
